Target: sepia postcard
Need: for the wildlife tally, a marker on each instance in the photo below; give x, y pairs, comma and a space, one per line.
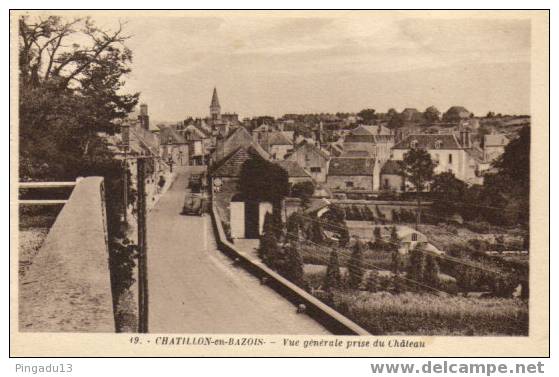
279, 183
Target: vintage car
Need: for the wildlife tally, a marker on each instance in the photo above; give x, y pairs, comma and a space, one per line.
197, 182
194, 204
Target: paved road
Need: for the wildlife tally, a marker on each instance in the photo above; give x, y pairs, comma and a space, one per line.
194, 288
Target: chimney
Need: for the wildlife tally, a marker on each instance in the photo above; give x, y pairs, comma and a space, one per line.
144, 117
465, 139
144, 109
219, 148
125, 134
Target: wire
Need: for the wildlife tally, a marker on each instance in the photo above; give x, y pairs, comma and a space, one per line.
365, 263
381, 269
442, 256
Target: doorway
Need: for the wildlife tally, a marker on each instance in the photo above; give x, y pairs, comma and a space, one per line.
251, 219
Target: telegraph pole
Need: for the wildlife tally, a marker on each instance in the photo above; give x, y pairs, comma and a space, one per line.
142, 252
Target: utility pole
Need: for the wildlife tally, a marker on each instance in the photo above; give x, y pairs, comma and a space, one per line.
142, 246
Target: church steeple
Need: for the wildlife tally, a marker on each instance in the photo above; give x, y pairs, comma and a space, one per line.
215, 108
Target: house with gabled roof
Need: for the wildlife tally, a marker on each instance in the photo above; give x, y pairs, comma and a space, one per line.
353, 175
245, 217
494, 146
312, 159
294, 171
236, 138
199, 142
377, 140
276, 143
173, 146
392, 177
449, 152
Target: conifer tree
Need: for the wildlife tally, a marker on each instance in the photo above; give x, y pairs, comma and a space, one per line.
416, 266
293, 269
268, 250
379, 243
293, 226
373, 283
396, 264
344, 236
355, 267
316, 232
333, 277
431, 274
394, 239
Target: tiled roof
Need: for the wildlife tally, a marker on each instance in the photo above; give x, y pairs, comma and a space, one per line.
391, 167
241, 137
312, 147
365, 138
292, 168
355, 154
364, 129
278, 138
428, 141
353, 138
168, 135
351, 166
230, 165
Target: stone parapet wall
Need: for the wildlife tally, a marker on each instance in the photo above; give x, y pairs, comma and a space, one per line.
68, 286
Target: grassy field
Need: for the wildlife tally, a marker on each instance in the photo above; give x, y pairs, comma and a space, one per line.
383, 313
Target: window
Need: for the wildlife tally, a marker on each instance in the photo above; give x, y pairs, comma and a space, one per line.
386, 183
450, 158
414, 237
315, 169
349, 184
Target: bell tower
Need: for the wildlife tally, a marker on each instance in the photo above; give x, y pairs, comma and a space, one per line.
215, 108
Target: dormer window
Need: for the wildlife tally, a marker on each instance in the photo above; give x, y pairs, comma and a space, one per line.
438, 144
413, 144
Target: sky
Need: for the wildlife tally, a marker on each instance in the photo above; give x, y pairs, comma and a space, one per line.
325, 62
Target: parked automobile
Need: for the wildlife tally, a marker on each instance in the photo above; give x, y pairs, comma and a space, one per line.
194, 204
197, 182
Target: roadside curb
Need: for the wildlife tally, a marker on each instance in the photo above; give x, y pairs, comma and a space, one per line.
316, 309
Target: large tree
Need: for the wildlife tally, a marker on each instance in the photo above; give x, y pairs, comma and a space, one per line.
71, 77
368, 115
71, 80
432, 114
505, 196
448, 194
261, 180
418, 168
